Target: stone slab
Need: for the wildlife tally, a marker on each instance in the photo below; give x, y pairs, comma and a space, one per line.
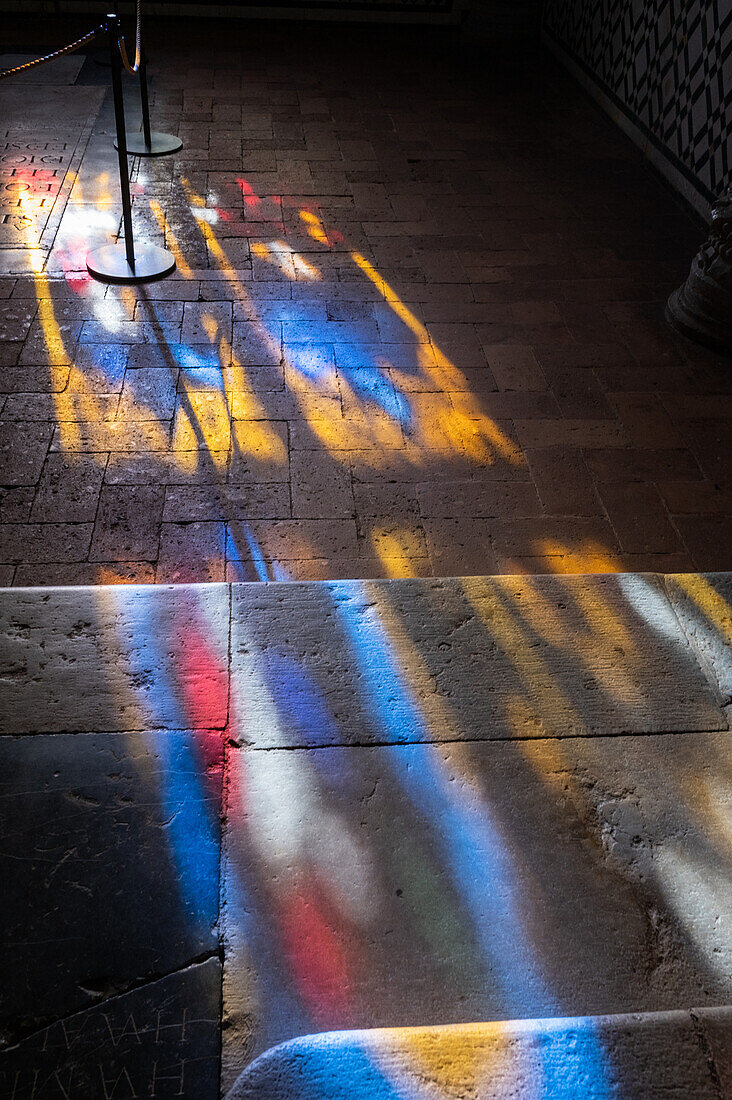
655, 1056
465, 658
31, 174
159, 1041
471, 658
37, 108
122, 657
380, 886
703, 603
35, 145
109, 865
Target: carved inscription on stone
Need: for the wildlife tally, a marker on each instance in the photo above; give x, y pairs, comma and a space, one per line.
160, 1042
31, 176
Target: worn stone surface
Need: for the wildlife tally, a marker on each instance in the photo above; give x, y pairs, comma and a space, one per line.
704, 606
653, 1055
159, 1041
110, 866
479, 658
114, 658
42, 139
494, 658
371, 887
512, 860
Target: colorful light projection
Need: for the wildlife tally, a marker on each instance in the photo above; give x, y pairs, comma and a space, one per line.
476, 896
191, 696
478, 1060
416, 407
323, 844
394, 403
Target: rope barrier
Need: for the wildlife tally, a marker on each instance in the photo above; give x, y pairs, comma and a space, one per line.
57, 53
123, 262
135, 67
132, 69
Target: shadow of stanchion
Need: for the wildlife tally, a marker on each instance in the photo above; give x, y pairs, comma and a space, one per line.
251, 563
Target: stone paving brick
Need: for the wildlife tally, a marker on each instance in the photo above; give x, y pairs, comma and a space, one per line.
586, 433
642, 464
574, 535
16, 319
563, 481
171, 1024
68, 490
384, 499
711, 441
627, 624
321, 487
114, 682
639, 518
646, 422
460, 547
16, 504
394, 541
202, 319
702, 604
83, 572
259, 451
696, 498
23, 448
191, 552
578, 393
148, 393
708, 539
134, 437
453, 500
91, 796
298, 539
548, 1051
127, 526
185, 503
42, 542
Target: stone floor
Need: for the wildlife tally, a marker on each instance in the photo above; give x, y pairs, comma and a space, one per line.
416, 326
416, 330
367, 804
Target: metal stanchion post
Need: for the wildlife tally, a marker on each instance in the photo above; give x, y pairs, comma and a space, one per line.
103, 58
125, 263
148, 143
119, 123
144, 103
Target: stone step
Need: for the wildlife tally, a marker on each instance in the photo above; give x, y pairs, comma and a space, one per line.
379, 804
643, 1056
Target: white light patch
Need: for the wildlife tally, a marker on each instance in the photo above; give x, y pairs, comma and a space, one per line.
649, 604
284, 809
702, 904
203, 214
108, 311
301, 265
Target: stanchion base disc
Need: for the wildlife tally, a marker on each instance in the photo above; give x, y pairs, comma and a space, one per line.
160, 144
110, 263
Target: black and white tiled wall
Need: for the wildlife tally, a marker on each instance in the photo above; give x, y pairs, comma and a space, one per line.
664, 70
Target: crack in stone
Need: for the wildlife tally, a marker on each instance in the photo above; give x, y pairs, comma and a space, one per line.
708, 1053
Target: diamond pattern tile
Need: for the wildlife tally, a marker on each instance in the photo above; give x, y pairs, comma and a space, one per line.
668, 63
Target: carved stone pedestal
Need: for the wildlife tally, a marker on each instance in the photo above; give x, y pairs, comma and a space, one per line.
702, 308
